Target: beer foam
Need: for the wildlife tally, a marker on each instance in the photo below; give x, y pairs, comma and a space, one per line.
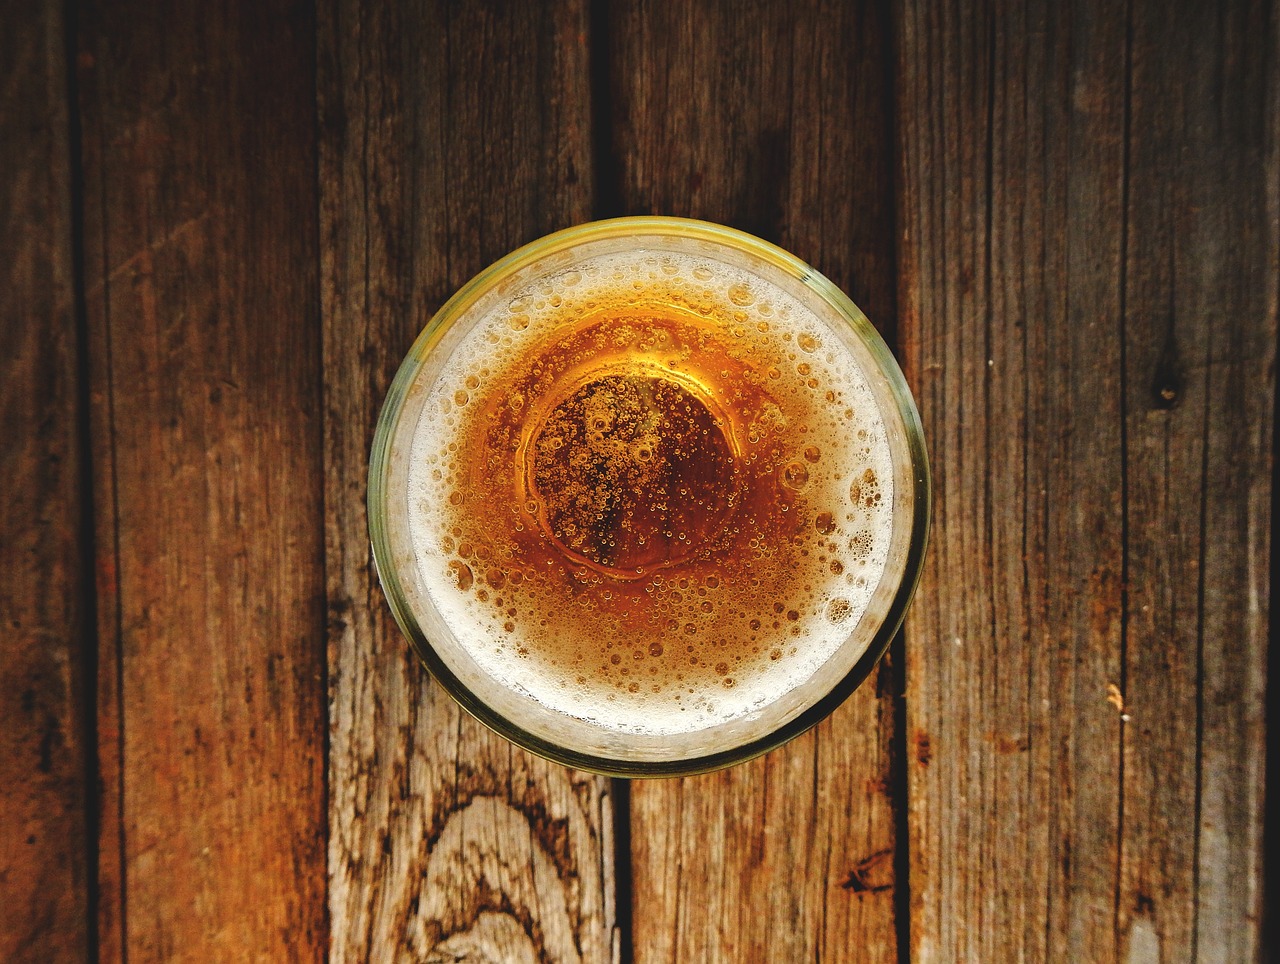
703, 628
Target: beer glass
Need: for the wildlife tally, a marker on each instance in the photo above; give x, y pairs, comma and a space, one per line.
649, 496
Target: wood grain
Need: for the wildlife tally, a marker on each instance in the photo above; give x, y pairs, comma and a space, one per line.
201, 264
44, 845
1089, 318
1201, 290
451, 133
774, 120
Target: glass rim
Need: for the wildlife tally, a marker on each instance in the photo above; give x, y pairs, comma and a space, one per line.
456, 306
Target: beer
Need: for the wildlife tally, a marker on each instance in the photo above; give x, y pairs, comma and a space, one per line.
649, 489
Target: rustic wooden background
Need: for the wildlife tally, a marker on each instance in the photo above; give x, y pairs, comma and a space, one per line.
222, 224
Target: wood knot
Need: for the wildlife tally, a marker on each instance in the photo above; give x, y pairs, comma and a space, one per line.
872, 875
1168, 383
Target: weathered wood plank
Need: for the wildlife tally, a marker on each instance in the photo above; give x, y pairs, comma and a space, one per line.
1089, 319
200, 232
1200, 334
773, 119
44, 585
450, 134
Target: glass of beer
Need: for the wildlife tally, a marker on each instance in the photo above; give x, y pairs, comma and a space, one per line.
649, 496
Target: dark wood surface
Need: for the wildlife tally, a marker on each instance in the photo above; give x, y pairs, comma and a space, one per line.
1088, 315
200, 250
221, 228
44, 600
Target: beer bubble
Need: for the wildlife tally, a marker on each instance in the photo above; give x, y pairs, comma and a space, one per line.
655, 649
864, 491
460, 397
461, 574
807, 342
812, 453
795, 475
824, 523
740, 295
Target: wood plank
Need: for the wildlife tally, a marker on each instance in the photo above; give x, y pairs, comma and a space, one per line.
450, 135
1074, 212
200, 231
44, 586
1200, 337
773, 120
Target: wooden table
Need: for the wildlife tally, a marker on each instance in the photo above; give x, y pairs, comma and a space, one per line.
220, 229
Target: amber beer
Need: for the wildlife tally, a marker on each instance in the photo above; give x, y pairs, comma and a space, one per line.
648, 488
